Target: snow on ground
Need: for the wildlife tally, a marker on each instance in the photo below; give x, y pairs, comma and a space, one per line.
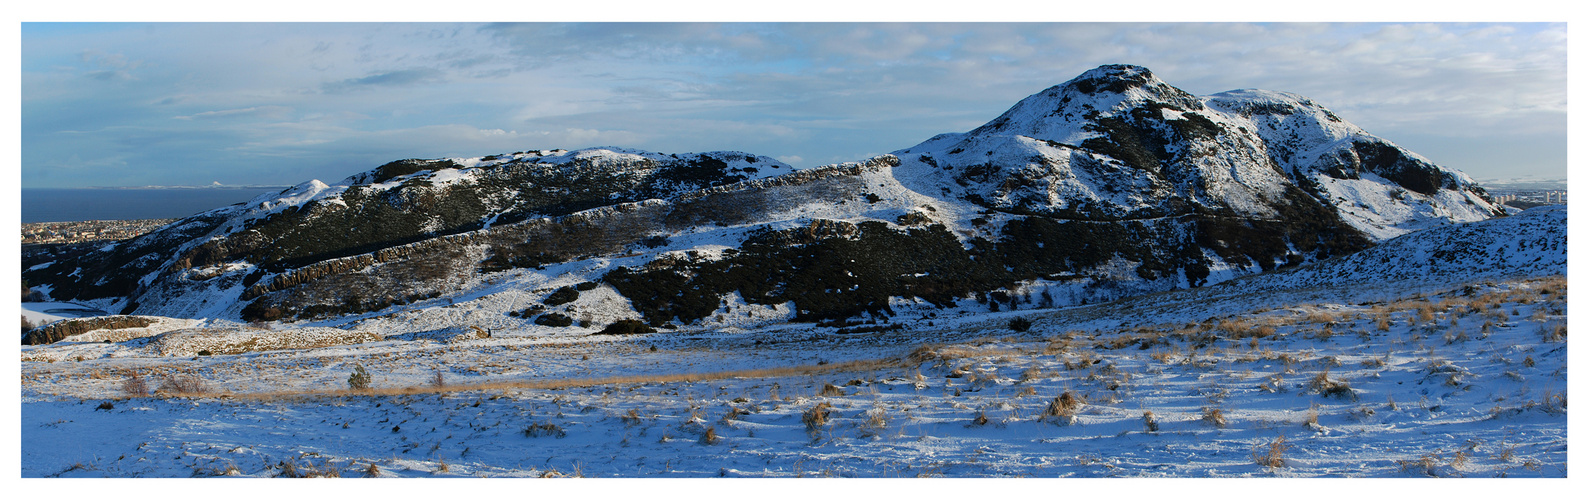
1390, 380
43, 313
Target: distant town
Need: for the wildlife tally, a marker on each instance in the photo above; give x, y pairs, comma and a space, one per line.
1529, 198
89, 230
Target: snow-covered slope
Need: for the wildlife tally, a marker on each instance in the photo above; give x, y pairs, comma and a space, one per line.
1110, 185
1528, 245
1117, 142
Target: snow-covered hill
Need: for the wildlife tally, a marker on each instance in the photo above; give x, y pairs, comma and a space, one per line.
1110, 185
1117, 142
1528, 245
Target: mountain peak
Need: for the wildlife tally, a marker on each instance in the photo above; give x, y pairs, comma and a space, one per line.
1061, 112
1116, 78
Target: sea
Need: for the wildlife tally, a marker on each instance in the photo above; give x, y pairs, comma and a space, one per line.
68, 205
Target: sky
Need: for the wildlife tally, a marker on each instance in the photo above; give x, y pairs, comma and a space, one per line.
135, 104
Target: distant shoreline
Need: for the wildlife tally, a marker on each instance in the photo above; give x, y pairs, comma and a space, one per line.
90, 204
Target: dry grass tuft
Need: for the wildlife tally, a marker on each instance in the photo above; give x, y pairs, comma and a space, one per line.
135, 385
875, 422
1063, 408
632, 418
1274, 454
816, 417
830, 390
545, 429
1552, 332
710, 437
1376, 362
1215, 417
1032, 373
733, 414
1425, 313
1427, 464
1553, 403
921, 355
1320, 317
1323, 385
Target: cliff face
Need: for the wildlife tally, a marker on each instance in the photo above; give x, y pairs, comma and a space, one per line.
1111, 184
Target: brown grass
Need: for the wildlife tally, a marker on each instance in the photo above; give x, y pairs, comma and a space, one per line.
135, 385
1274, 454
1215, 417
710, 437
1552, 332
1322, 384
1427, 464
1063, 408
777, 372
816, 417
182, 384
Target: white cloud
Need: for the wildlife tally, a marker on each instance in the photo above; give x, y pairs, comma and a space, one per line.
268, 112
819, 91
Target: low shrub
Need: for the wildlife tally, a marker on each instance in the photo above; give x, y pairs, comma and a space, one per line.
135, 385
558, 320
359, 380
562, 296
181, 384
627, 327
1020, 324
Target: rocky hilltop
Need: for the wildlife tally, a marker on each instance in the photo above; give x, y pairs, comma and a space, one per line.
1108, 185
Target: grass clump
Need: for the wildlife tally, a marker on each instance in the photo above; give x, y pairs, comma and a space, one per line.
1063, 408
1323, 385
1552, 332
710, 437
816, 417
1214, 417
1273, 455
545, 429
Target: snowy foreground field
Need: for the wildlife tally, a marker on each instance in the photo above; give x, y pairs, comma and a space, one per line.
1446, 380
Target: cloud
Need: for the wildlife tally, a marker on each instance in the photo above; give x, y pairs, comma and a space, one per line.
350, 96
398, 78
267, 112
